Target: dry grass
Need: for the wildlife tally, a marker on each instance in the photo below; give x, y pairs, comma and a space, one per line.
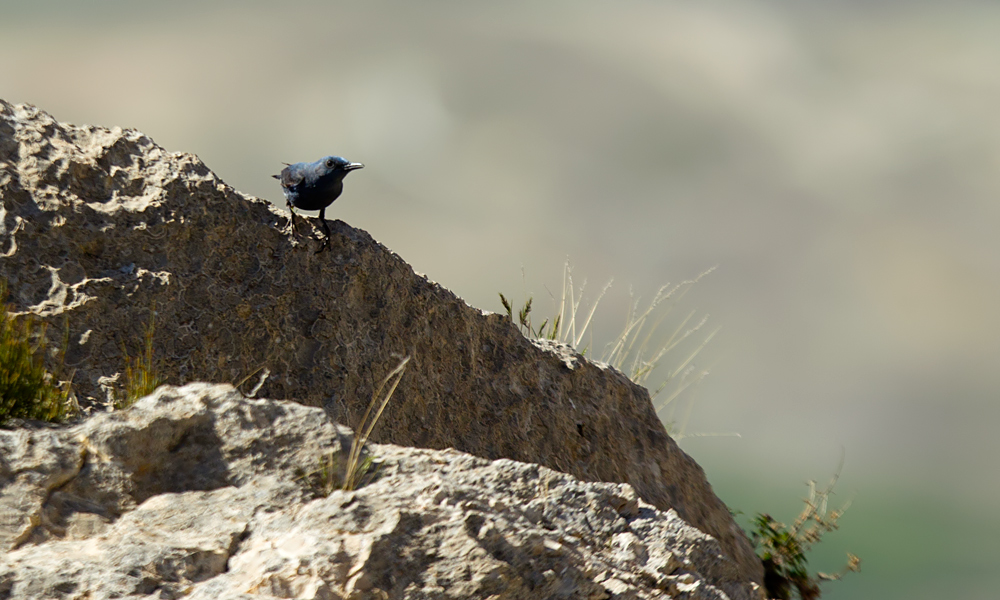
644, 344
356, 465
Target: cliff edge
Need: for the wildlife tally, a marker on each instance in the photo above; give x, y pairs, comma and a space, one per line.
101, 227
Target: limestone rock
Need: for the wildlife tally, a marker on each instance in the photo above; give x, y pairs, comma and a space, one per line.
104, 228
198, 492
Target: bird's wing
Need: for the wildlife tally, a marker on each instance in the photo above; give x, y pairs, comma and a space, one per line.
289, 177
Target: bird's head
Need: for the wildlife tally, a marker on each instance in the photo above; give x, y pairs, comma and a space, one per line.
336, 165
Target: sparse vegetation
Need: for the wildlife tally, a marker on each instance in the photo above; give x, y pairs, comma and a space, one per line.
640, 347
329, 474
524, 321
332, 472
141, 374
637, 351
573, 332
27, 389
783, 549
358, 466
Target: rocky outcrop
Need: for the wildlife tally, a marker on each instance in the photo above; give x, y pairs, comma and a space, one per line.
198, 492
101, 228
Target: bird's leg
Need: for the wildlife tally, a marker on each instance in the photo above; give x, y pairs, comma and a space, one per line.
326, 228
291, 217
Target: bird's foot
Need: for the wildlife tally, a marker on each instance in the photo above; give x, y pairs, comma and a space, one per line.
326, 230
291, 220
324, 245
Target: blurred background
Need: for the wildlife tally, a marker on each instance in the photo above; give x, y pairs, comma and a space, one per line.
838, 161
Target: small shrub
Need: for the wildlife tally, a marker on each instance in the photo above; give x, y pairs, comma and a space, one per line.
27, 390
783, 549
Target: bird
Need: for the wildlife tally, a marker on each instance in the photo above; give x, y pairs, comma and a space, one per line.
314, 186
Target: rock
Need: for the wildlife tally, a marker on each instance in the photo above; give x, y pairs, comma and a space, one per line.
101, 228
198, 492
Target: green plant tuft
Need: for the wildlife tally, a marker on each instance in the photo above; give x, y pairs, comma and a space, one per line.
141, 374
524, 321
27, 390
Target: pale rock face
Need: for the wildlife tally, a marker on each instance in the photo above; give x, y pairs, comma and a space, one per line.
198, 492
100, 228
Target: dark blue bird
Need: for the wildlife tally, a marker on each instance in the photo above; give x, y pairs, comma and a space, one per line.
314, 186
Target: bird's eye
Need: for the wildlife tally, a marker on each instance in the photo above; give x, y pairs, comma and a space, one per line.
330, 163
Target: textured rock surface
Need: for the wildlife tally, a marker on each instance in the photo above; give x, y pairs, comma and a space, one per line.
198, 492
101, 226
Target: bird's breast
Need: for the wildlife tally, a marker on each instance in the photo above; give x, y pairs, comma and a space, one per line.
314, 195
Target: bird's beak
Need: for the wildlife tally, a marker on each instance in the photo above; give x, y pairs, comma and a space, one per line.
352, 166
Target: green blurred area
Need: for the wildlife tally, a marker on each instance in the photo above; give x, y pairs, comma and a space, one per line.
912, 543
